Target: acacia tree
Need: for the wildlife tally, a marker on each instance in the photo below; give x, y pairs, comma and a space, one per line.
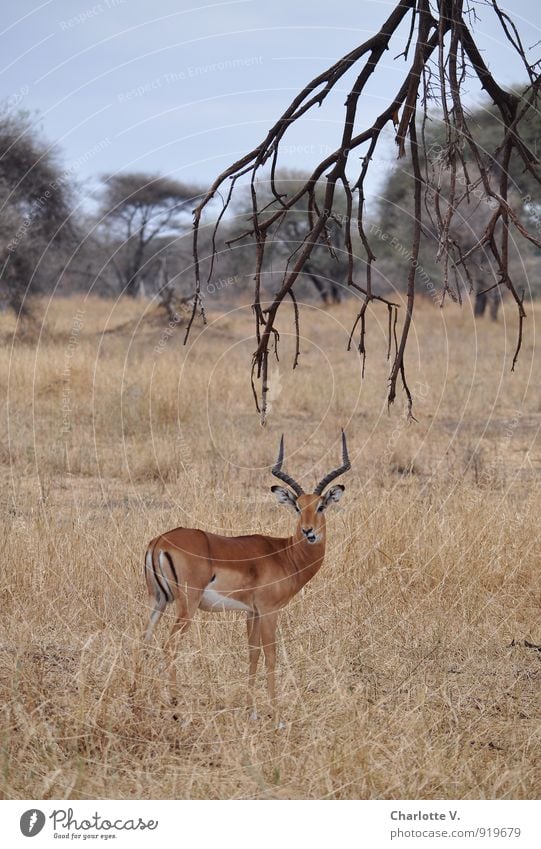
136, 209
441, 53
35, 209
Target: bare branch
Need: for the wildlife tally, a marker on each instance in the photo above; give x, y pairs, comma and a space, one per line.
447, 28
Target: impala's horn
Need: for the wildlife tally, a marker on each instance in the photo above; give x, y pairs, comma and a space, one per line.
337, 472
278, 473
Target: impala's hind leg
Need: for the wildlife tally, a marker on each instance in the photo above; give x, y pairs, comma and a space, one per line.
159, 605
186, 604
171, 576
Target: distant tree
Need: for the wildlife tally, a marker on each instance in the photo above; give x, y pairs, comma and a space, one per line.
35, 206
471, 214
136, 209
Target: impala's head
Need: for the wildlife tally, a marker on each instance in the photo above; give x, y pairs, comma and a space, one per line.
310, 508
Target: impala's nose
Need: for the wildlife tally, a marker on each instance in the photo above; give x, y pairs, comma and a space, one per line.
309, 534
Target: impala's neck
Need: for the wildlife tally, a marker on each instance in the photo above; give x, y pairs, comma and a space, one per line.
307, 557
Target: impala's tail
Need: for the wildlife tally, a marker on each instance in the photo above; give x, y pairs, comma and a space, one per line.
159, 587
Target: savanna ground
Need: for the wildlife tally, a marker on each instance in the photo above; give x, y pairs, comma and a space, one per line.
403, 665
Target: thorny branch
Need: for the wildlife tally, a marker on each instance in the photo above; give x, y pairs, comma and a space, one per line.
441, 26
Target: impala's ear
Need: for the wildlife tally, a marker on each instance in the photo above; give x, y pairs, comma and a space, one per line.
284, 496
332, 495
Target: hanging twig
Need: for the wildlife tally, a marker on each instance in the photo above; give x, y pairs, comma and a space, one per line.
297, 332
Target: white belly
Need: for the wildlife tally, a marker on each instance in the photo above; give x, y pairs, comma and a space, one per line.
213, 602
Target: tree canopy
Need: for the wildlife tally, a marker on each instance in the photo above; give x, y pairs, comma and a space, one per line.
137, 208
35, 207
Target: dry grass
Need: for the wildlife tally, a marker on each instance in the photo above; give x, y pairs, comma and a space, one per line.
402, 665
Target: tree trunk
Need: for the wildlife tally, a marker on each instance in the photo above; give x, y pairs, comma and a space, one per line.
495, 301
131, 288
484, 299
480, 301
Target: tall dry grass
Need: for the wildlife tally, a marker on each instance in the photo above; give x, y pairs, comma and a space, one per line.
403, 668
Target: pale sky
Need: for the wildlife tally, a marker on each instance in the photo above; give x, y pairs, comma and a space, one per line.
184, 87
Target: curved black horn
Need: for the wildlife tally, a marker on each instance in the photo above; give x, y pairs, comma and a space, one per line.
340, 471
278, 473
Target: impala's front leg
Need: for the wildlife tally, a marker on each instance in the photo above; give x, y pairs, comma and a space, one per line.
269, 622
254, 649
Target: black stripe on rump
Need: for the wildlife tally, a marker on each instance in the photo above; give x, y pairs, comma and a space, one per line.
172, 566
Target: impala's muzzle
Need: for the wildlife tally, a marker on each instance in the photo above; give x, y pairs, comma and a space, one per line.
310, 534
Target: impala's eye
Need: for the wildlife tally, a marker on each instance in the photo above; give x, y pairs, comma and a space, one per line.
320, 508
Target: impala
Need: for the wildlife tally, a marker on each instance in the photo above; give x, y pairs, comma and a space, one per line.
255, 574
